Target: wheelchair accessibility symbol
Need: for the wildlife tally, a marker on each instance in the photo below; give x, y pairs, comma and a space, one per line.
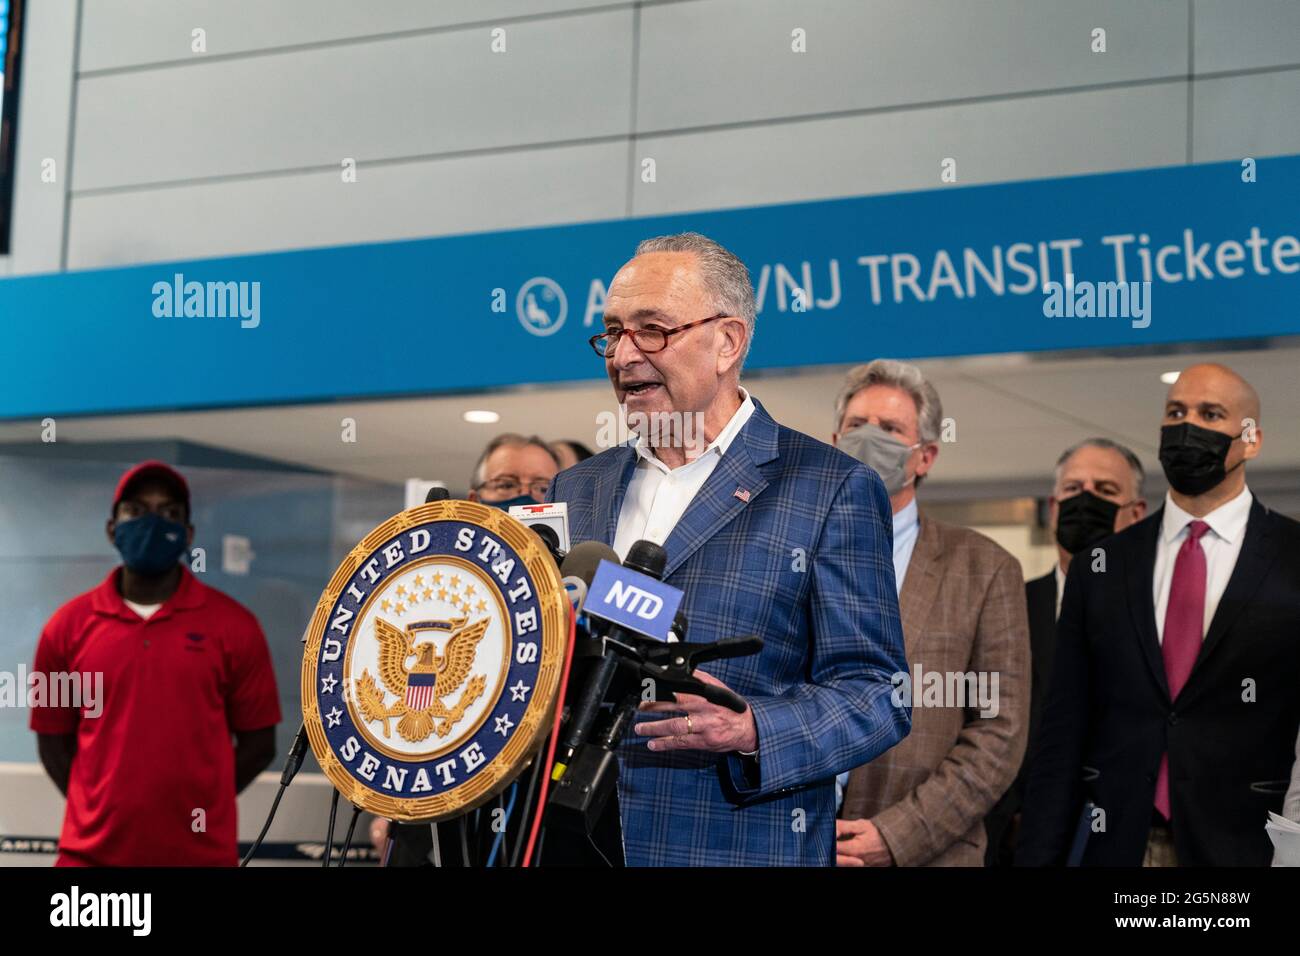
541, 306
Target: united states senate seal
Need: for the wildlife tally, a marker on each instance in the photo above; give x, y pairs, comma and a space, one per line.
433, 661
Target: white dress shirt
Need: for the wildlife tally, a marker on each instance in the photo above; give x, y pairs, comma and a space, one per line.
1060, 589
658, 496
1221, 544
1291, 803
907, 525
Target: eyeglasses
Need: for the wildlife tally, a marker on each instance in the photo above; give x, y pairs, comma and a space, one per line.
510, 486
650, 339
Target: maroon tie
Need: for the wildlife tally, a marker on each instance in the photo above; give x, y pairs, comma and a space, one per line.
1184, 629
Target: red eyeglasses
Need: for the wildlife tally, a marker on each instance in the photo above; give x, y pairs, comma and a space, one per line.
650, 339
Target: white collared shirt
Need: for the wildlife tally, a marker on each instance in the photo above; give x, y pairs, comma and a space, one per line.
1060, 588
1221, 544
658, 496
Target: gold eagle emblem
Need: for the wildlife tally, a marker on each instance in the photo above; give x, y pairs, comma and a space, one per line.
420, 690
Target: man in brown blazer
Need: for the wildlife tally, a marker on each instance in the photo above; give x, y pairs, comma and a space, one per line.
966, 633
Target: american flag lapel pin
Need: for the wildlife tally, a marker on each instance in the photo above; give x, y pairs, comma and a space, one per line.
743, 494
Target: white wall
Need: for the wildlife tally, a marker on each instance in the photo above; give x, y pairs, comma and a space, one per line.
178, 154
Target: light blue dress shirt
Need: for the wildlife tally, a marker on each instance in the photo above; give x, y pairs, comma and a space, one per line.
907, 525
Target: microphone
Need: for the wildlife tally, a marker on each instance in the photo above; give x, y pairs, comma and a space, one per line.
551, 541
550, 514
577, 569
644, 637
436, 494
649, 559
582, 561
576, 588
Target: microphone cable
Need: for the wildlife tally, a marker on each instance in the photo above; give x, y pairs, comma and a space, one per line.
329, 837
555, 737
292, 763
501, 835
347, 843
528, 800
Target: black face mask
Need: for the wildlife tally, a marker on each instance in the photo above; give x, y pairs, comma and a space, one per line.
1084, 519
1194, 457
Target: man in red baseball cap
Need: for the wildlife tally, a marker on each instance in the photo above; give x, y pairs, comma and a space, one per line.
149, 768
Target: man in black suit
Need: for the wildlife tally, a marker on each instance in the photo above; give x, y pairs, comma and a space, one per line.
1177, 658
1097, 492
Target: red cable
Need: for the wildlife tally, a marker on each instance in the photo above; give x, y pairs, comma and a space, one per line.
555, 737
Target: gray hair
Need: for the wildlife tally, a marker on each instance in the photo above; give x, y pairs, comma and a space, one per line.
723, 275
513, 440
1138, 473
929, 410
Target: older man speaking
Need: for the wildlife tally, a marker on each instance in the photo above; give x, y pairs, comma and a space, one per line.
767, 532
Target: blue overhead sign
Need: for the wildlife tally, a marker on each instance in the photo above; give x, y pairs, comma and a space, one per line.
1181, 254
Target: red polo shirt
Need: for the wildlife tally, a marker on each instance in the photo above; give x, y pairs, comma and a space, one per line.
174, 688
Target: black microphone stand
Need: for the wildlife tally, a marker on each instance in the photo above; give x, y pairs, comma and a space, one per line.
579, 799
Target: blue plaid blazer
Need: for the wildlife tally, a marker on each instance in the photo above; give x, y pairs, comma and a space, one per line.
807, 563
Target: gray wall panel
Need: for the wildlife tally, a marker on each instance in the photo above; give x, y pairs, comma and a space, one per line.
892, 152
1232, 35
404, 97
125, 33
505, 190
723, 61
177, 156
1247, 116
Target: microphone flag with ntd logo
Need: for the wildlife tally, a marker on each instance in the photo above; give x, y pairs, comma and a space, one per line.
632, 600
